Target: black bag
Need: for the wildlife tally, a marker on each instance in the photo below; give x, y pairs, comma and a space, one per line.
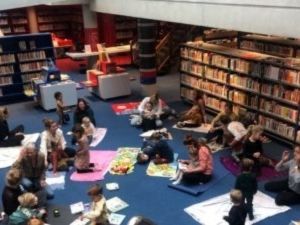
66, 117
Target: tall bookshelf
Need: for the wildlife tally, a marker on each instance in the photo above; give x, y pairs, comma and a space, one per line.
21, 59
14, 21
264, 85
126, 29
64, 21
278, 46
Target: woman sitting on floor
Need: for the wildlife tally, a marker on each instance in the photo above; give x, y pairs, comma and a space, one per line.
193, 172
9, 138
288, 189
192, 118
253, 148
82, 157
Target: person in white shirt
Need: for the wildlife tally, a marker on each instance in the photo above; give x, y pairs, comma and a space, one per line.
52, 140
234, 133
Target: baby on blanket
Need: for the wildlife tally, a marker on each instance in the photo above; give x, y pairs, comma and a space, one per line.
157, 149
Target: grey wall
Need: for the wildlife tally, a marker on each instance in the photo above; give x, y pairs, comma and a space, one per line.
277, 17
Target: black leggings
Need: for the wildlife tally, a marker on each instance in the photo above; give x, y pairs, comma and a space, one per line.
285, 195
195, 178
88, 170
13, 139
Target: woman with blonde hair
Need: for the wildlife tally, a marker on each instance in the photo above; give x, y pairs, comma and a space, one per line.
253, 148
9, 138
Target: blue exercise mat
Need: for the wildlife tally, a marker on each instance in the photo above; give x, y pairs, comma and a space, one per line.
218, 173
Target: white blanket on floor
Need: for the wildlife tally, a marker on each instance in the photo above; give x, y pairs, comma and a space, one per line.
211, 212
204, 128
98, 136
9, 155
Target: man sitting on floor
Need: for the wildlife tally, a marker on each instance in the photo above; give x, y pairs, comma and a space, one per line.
157, 149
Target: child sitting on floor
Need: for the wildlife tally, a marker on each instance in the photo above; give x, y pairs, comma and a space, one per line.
148, 117
98, 213
157, 149
247, 184
82, 157
26, 210
237, 214
89, 128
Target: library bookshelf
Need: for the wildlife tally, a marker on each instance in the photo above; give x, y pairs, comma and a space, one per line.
21, 59
278, 46
268, 87
14, 22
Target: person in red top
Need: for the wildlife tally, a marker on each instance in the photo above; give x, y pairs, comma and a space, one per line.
200, 172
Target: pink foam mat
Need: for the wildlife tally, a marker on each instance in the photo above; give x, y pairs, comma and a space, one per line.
100, 157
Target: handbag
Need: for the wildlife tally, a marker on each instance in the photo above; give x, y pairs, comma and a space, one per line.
66, 117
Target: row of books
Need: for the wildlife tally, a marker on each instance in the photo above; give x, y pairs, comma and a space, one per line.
46, 27
215, 103
191, 54
216, 74
277, 127
291, 76
27, 67
206, 86
6, 80
243, 98
280, 110
3, 21
4, 70
126, 25
244, 82
272, 49
9, 58
19, 21
235, 64
6, 30
251, 45
124, 34
23, 45
292, 95
20, 29
188, 93
30, 76
219, 60
27, 56
191, 67
50, 19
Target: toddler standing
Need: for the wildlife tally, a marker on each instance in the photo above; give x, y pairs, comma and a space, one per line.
246, 182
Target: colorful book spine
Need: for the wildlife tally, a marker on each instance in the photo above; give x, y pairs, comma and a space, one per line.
243, 98
244, 82
216, 74
9, 58
29, 56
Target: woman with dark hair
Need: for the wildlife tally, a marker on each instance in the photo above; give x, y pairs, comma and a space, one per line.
197, 172
9, 138
83, 110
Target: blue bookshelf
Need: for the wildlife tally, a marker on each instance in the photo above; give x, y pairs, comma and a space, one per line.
21, 59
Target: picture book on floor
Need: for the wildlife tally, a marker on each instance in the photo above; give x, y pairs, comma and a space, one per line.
77, 207
116, 204
116, 219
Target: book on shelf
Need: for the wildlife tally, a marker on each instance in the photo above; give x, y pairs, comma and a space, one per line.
188, 93
1, 49
191, 67
215, 103
28, 77
240, 65
291, 76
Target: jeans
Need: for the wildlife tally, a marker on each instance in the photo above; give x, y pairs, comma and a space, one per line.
33, 185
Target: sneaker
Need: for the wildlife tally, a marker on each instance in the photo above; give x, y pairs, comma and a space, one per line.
173, 178
176, 182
